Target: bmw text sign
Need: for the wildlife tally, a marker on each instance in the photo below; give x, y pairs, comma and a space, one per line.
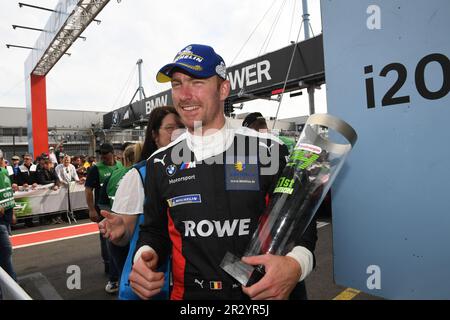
262, 75
137, 112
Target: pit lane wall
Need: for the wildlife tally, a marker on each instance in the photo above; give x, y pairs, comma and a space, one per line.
387, 71
44, 200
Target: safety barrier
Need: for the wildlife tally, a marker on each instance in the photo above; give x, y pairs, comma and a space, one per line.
45, 200
9, 289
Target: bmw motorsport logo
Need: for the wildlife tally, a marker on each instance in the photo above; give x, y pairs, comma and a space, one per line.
171, 170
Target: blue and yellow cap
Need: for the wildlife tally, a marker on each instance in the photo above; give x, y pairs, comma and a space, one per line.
199, 61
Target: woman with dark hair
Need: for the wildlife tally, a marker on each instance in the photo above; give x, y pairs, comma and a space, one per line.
121, 226
162, 124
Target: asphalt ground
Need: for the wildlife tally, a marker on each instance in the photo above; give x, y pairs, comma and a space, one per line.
44, 270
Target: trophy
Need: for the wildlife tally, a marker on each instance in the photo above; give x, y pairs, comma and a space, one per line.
303, 184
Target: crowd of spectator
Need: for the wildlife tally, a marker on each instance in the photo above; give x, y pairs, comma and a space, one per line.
27, 173
54, 169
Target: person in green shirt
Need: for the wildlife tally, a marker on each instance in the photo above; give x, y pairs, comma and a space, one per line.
94, 181
118, 254
7, 204
289, 142
97, 176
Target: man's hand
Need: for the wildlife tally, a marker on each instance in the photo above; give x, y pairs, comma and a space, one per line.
34, 186
282, 275
112, 227
94, 216
144, 281
15, 187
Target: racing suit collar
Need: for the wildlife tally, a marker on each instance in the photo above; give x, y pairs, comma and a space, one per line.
209, 145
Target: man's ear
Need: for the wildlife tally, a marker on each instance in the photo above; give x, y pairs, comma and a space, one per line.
225, 88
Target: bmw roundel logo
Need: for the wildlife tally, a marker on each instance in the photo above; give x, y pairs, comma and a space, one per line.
171, 170
115, 117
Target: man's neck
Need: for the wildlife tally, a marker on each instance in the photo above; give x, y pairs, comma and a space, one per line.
211, 142
212, 128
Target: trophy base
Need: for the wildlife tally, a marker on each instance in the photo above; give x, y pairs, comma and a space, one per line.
245, 274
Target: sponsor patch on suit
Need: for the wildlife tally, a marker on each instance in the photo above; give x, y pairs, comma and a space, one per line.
184, 199
242, 174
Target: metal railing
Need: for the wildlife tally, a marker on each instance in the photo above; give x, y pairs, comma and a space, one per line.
9, 289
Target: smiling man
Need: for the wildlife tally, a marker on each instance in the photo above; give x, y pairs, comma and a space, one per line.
207, 192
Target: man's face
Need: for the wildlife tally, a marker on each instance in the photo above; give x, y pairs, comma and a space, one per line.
107, 157
199, 100
15, 163
2, 163
27, 160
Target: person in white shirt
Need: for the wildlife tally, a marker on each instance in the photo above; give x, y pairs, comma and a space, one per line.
66, 172
52, 156
163, 126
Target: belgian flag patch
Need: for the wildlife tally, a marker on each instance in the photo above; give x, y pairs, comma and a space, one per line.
215, 285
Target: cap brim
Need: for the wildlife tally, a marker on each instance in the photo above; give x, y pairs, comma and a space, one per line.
164, 74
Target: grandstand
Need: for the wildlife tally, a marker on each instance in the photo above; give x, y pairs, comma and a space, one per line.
78, 128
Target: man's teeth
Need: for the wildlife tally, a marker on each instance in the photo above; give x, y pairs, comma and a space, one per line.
190, 108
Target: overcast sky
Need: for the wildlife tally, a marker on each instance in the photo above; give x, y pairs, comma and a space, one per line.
95, 76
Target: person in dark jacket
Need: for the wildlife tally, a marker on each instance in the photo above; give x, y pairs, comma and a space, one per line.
47, 175
26, 179
27, 176
15, 171
40, 162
